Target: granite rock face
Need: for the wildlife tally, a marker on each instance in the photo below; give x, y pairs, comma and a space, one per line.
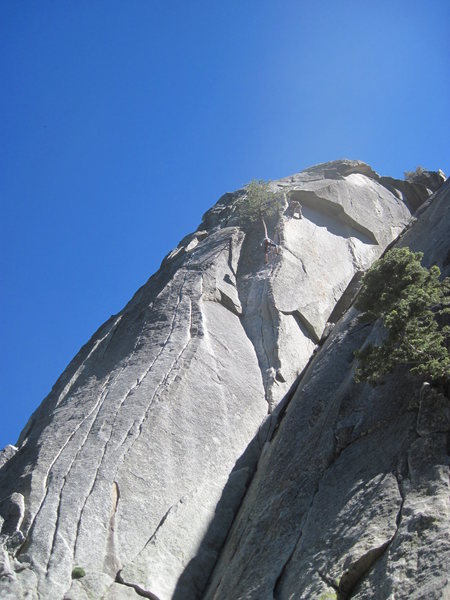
351, 494
134, 467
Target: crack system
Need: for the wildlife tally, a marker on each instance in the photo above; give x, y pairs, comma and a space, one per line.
106, 387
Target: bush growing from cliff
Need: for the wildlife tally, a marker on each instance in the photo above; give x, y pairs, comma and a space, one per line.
410, 175
260, 202
411, 300
78, 572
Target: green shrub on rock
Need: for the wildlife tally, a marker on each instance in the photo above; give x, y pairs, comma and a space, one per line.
78, 572
410, 175
412, 302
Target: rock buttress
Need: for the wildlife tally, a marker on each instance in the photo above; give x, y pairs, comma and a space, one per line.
350, 498
133, 467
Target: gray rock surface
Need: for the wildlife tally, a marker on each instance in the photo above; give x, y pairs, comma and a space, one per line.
134, 466
7, 453
351, 494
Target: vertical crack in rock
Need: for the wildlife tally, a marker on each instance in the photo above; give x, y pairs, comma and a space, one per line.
160, 385
398, 519
162, 382
230, 257
119, 457
279, 580
99, 405
65, 478
59, 400
358, 570
56, 534
111, 563
330, 461
353, 576
268, 316
259, 313
46, 481
95, 409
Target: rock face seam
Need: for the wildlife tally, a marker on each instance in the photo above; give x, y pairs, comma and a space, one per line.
47, 477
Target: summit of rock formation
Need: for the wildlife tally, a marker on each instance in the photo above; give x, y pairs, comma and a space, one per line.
209, 442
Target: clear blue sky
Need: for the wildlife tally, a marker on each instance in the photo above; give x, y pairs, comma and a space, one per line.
123, 121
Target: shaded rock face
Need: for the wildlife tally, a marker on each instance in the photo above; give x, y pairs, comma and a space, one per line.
431, 179
135, 465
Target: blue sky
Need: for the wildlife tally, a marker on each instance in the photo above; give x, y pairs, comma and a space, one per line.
123, 121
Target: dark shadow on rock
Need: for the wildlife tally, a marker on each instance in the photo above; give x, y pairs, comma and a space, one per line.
194, 580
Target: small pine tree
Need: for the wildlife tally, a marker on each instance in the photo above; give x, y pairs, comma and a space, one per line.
411, 300
260, 202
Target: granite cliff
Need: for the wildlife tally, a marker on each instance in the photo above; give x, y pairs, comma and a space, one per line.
209, 442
